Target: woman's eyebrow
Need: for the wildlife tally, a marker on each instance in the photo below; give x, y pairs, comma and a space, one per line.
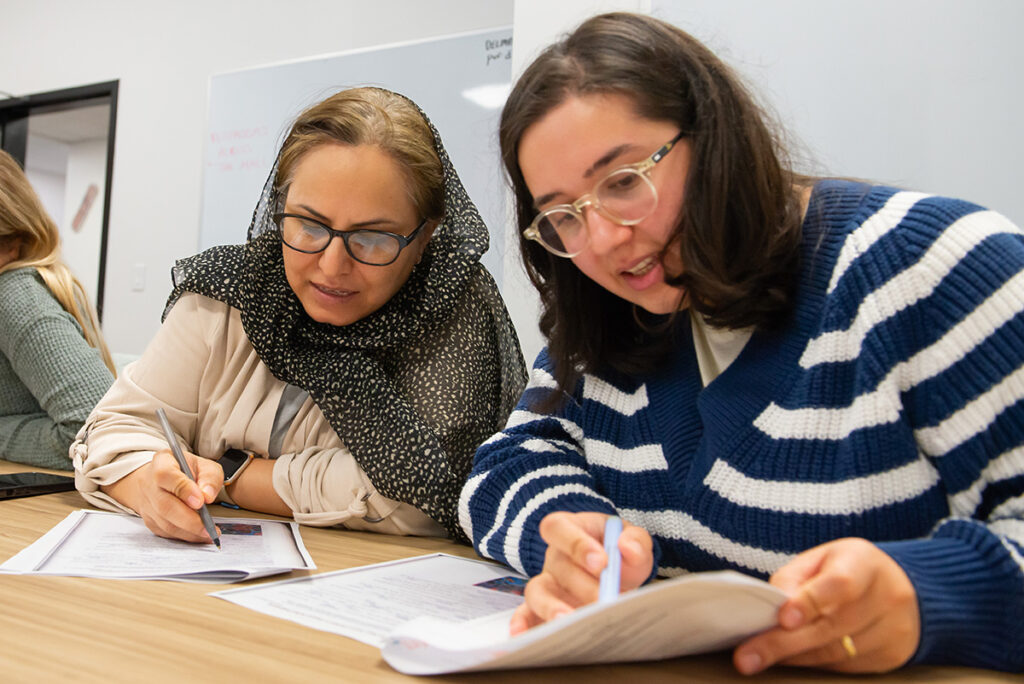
375, 222
327, 221
605, 159
314, 213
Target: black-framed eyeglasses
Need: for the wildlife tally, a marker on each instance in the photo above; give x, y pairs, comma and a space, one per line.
371, 247
626, 196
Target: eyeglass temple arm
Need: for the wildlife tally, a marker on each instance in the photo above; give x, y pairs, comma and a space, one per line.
665, 149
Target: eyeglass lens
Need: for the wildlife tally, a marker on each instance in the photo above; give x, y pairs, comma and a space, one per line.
368, 246
625, 196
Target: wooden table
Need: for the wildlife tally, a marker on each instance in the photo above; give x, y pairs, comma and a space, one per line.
62, 629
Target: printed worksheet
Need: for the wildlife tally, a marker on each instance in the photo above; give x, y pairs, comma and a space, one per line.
112, 545
698, 613
368, 603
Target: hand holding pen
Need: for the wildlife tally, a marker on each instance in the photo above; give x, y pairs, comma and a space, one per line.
204, 513
576, 561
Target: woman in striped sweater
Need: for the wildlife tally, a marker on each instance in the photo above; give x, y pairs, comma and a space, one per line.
820, 383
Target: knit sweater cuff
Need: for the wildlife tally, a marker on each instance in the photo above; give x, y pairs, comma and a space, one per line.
532, 555
962, 594
533, 550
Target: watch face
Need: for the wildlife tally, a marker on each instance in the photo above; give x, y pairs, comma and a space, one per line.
232, 462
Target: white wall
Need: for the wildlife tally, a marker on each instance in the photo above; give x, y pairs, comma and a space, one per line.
87, 165
163, 54
46, 165
921, 94
49, 187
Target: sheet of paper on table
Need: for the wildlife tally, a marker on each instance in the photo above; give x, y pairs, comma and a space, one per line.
367, 603
439, 614
115, 546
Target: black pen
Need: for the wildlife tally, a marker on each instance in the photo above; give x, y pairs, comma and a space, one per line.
204, 513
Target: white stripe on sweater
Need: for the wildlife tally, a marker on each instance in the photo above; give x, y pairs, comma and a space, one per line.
639, 459
848, 497
974, 417
1009, 528
906, 288
541, 378
879, 407
544, 446
626, 403
1014, 554
1011, 508
670, 571
678, 525
515, 528
868, 233
515, 487
520, 417
1004, 466
468, 490
882, 405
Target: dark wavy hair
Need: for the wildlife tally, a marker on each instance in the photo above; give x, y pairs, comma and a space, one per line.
739, 230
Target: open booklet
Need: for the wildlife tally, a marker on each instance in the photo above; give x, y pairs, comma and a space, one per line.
460, 612
116, 546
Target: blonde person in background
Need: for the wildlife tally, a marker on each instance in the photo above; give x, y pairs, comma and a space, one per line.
354, 344
54, 364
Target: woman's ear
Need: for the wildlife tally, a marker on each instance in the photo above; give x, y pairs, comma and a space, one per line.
428, 230
10, 249
425, 235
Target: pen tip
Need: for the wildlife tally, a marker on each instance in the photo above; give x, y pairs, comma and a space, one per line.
217, 542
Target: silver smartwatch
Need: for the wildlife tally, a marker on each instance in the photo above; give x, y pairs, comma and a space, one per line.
234, 461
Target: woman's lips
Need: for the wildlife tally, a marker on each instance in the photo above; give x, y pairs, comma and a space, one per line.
644, 274
641, 267
333, 292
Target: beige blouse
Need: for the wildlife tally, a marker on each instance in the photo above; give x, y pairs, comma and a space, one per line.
202, 370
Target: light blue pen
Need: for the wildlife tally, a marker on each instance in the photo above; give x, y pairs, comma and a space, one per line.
608, 590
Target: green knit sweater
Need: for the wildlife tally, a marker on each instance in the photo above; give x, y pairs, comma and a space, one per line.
50, 378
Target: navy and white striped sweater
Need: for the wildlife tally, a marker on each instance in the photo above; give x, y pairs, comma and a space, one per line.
891, 408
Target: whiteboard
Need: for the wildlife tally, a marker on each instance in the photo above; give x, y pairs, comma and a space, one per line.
460, 81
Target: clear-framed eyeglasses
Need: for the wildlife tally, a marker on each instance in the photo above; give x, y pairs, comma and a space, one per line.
371, 247
626, 196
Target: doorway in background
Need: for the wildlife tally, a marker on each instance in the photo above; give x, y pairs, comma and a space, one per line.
64, 139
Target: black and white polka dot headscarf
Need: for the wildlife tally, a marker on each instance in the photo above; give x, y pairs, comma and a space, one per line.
413, 388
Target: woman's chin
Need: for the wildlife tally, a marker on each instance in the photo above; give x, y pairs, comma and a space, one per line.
668, 300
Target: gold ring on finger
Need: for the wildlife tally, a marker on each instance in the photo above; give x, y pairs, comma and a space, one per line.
848, 646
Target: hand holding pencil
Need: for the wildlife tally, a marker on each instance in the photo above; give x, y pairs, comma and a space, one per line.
166, 497
204, 513
578, 569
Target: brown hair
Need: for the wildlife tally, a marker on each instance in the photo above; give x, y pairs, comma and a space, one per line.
23, 219
371, 116
739, 230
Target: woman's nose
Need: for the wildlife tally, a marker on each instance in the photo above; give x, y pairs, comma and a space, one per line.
606, 235
335, 260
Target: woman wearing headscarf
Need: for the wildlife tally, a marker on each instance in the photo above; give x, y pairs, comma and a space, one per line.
354, 345
54, 365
